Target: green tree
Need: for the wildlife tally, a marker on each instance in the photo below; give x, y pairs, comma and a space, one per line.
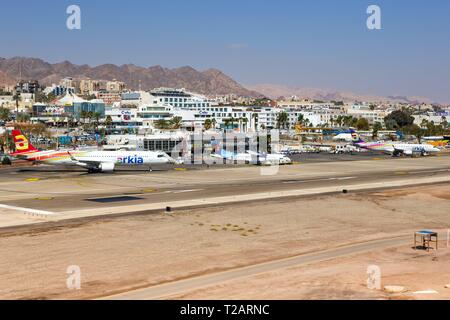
282, 120
208, 124
362, 124
108, 122
377, 126
5, 114
391, 124
401, 117
23, 117
83, 116
417, 131
161, 124
96, 116
176, 122
444, 123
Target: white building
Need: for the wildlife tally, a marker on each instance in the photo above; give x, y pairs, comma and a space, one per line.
437, 118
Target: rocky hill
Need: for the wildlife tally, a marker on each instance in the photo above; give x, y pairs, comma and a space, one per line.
211, 81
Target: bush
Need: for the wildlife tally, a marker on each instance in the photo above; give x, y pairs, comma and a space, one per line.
6, 161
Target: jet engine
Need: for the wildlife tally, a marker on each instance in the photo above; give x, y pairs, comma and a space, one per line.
106, 167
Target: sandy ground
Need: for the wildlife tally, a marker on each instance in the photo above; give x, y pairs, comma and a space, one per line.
344, 278
124, 253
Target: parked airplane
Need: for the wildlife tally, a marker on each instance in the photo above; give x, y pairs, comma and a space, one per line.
254, 157
395, 148
343, 136
93, 161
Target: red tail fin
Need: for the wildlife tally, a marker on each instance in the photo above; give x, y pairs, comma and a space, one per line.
23, 145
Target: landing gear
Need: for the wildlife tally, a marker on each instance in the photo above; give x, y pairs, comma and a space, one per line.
150, 169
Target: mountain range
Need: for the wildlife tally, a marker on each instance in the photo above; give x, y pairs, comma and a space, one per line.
211, 81
208, 82
275, 91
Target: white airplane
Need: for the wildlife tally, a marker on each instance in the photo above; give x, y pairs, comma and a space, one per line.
395, 148
93, 161
343, 136
254, 157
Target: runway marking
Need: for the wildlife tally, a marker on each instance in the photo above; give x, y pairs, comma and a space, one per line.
432, 171
27, 210
346, 178
184, 191
426, 292
317, 180
32, 179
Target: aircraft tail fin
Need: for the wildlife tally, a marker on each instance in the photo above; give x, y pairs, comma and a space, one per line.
355, 137
23, 145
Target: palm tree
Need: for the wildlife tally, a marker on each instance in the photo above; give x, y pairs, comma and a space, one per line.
339, 120
227, 122
207, 124
108, 122
376, 127
282, 120
444, 123
232, 121
161, 124
96, 117
23, 117
176, 122
424, 123
83, 115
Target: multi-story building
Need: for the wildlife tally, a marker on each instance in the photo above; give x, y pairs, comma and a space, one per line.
436, 117
364, 111
180, 98
59, 90
115, 86
109, 98
88, 86
31, 86
67, 82
305, 104
123, 118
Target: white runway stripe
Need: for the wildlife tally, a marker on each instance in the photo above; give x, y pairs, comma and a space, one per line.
26, 210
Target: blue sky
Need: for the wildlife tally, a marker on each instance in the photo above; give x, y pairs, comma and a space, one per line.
312, 43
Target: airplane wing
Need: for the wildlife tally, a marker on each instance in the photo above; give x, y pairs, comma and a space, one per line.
93, 165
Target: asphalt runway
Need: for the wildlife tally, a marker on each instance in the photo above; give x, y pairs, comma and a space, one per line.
60, 190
